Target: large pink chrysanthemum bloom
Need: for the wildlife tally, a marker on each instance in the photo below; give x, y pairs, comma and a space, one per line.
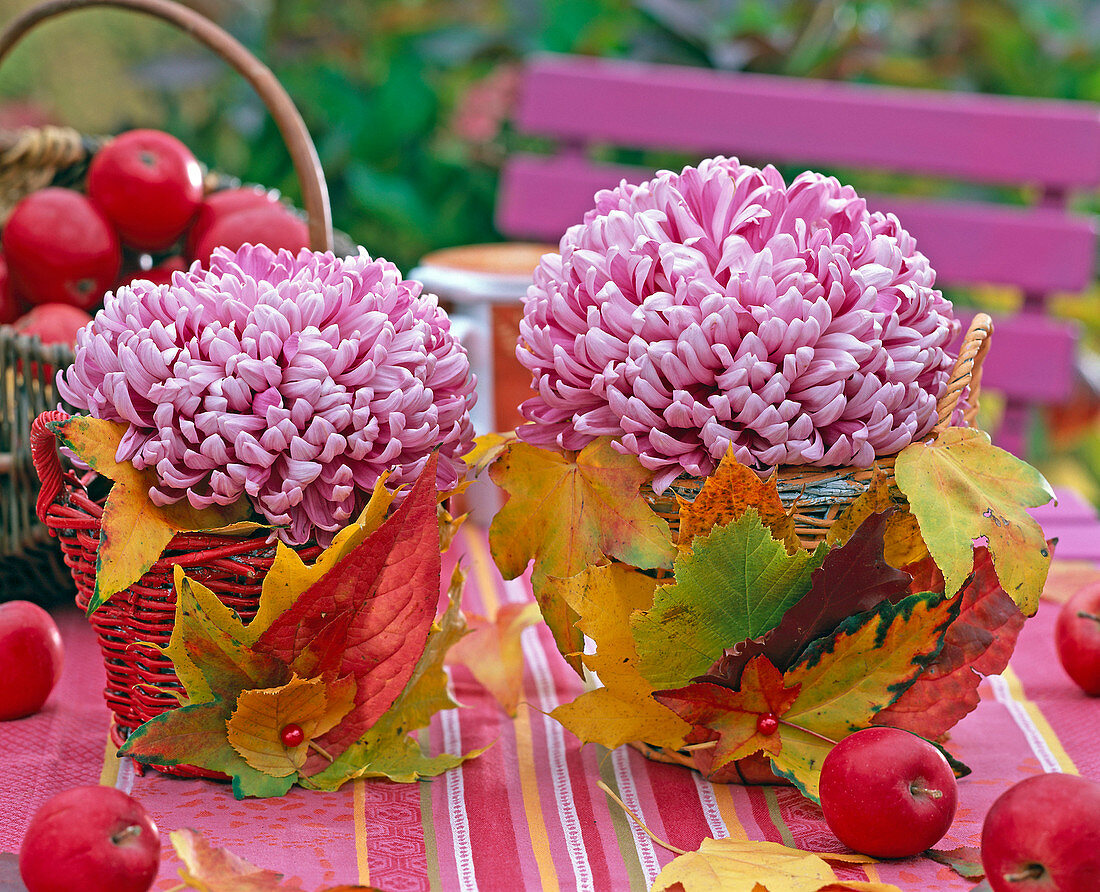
294, 380
721, 306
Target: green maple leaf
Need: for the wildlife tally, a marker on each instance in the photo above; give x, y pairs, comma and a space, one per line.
960, 488
735, 583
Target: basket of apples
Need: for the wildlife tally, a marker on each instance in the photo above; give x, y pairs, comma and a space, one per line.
82, 215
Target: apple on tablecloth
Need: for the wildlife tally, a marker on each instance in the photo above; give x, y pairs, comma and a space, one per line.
91, 839
30, 658
1077, 638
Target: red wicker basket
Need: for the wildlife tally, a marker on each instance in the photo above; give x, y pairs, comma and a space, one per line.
131, 625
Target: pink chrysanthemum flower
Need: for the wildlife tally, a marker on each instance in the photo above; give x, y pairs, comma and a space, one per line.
721, 306
294, 380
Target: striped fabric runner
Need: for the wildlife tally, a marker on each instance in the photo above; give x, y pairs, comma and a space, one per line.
528, 814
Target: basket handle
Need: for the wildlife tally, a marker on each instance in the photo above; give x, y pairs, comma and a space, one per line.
47, 463
967, 371
303, 153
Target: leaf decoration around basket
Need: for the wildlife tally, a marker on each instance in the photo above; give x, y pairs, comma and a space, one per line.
135, 532
329, 686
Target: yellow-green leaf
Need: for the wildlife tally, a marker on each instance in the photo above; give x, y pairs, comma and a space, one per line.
732, 488
487, 449
961, 487
735, 865
134, 531
255, 728
211, 869
623, 709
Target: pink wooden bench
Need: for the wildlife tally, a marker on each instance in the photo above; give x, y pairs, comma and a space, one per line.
1051, 148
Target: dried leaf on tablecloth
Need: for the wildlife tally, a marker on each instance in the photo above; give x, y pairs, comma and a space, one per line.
493, 654
726, 494
134, 531
978, 643
736, 583
966, 861
902, 542
735, 865
735, 716
961, 487
847, 677
567, 512
370, 618
388, 749
315, 705
622, 710
213, 869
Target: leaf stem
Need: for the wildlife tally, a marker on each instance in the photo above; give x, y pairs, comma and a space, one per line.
316, 747
695, 747
807, 731
1084, 614
637, 820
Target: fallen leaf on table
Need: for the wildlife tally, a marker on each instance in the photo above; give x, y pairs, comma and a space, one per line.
734, 865
735, 716
213, 869
966, 861
567, 512
902, 542
134, 531
735, 584
978, 643
726, 494
492, 652
961, 487
622, 709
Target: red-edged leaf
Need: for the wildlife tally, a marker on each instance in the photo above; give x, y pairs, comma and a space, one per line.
371, 615
978, 643
734, 715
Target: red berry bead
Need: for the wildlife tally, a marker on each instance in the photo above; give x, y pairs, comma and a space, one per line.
767, 724
292, 735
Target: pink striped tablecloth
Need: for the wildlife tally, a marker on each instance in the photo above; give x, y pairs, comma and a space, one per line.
528, 813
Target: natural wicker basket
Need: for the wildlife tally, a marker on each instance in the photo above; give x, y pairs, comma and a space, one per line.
819, 495
140, 679
31, 567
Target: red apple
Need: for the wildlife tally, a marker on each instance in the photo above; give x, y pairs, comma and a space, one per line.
30, 658
60, 249
149, 185
887, 793
1077, 638
53, 323
273, 225
221, 204
92, 839
1043, 835
10, 306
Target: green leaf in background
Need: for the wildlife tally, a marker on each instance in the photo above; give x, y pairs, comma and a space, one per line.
961, 487
736, 583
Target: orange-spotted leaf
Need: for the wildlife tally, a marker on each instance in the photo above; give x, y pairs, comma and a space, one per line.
492, 652
978, 643
622, 709
256, 727
961, 487
902, 542
371, 615
746, 720
213, 869
726, 494
569, 511
134, 531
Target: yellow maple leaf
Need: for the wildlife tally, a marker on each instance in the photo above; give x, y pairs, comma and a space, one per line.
902, 542
725, 496
213, 869
623, 709
256, 725
134, 531
493, 653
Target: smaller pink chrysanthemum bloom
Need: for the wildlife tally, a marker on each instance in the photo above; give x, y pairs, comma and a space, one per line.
293, 380
721, 306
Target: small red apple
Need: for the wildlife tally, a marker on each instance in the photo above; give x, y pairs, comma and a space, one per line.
887, 793
221, 204
10, 305
92, 839
53, 323
273, 225
1043, 835
1077, 638
30, 658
